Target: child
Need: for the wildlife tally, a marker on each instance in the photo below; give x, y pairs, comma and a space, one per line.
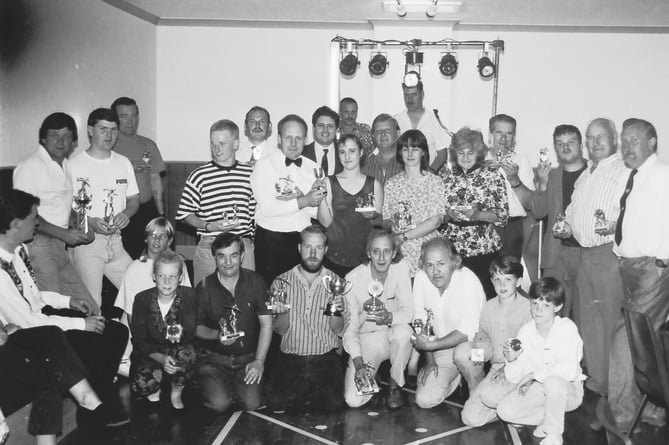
501, 318
545, 369
163, 331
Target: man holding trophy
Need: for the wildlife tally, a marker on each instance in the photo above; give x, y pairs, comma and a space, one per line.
376, 322
309, 321
235, 329
108, 179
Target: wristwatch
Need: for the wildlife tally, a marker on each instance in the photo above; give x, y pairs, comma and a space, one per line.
404, 237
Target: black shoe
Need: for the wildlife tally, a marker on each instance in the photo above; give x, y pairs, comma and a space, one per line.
100, 417
396, 398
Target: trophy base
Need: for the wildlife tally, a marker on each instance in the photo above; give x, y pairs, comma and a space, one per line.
365, 209
232, 336
365, 390
230, 222
271, 307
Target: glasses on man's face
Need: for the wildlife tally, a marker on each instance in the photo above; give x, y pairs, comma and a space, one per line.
168, 279
159, 236
386, 131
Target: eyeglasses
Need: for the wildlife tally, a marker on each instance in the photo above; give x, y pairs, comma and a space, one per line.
387, 131
159, 236
167, 278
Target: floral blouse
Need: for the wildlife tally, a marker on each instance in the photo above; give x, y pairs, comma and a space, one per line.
423, 198
486, 188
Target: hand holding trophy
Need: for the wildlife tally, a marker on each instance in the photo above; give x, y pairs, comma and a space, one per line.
229, 330
278, 296
374, 305
336, 287
81, 205
365, 384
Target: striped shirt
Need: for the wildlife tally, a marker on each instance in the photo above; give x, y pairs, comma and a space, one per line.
593, 190
373, 168
309, 332
212, 191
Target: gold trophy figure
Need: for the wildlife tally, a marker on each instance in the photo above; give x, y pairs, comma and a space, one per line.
278, 295
81, 205
227, 221
335, 286
367, 385
109, 206
560, 224
365, 204
285, 188
402, 219
428, 330
146, 157
228, 323
417, 326
373, 304
601, 226
543, 156
174, 331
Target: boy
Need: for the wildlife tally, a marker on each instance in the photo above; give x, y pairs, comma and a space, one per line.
545, 369
501, 318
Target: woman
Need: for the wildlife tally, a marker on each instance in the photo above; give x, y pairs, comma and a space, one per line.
477, 202
158, 236
347, 228
414, 199
163, 332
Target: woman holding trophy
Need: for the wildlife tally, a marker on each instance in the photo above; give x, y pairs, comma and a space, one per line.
163, 332
352, 201
414, 199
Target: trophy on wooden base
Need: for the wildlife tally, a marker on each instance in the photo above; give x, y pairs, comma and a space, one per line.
374, 304
335, 286
81, 205
278, 295
367, 385
228, 323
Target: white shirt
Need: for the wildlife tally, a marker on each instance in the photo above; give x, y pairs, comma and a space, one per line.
262, 150
646, 218
526, 176
458, 308
26, 310
43, 177
600, 189
275, 214
113, 174
319, 150
437, 138
560, 354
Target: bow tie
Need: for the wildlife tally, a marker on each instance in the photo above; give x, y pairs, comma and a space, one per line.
297, 162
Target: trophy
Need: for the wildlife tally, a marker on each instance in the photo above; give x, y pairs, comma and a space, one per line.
320, 175
500, 156
146, 157
515, 344
227, 221
368, 385
174, 331
228, 325
417, 326
82, 204
477, 357
109, 206
560, 224
335, 286
428, 329
402, 218
286, 188
365, 204
278, 295
601, 227
374, 304
543, 156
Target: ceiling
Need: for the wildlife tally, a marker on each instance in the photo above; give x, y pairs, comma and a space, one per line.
637, 15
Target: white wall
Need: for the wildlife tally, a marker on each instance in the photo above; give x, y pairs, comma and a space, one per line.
80, 55
546, 78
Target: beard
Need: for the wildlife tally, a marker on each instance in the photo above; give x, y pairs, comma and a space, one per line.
311, 264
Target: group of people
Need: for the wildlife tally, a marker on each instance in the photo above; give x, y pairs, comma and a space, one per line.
409, 235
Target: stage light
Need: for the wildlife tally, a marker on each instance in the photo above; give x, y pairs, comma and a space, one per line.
448, 65
401, 9
432, 9
486, 67
350, 62
378, 63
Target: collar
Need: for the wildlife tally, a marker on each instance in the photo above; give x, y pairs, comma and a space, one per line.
46, 157
224, 167
9, 256
459, 171
604, 162
648, 163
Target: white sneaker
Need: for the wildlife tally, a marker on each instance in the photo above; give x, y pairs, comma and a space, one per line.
175, 397
155, 397
552, 439
124, 368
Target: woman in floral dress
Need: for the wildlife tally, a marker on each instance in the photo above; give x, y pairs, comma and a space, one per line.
414, 200
477, 202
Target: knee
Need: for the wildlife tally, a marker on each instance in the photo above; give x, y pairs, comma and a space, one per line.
400, 334
218, 404
507, 410
470, 412
355, 401
117, 332
462, 354
554, 385
427, 399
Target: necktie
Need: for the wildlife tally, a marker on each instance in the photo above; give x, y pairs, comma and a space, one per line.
253, 153
623, 202
297, 162
324, 161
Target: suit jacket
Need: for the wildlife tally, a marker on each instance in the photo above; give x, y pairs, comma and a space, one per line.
310, 152
549, 204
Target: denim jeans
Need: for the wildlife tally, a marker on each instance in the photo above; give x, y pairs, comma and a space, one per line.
222, 381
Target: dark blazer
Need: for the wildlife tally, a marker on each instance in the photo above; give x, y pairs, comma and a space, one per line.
549, 203
310, 152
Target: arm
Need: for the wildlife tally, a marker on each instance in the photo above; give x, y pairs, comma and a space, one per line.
440, 159
141, 335
427, 226
262, 183
350, 335
157, 192
122, 219
405, 313
255, 368
281, 323
70, 236
448, 341
325, 214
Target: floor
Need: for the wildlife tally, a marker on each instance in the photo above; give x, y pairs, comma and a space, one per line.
371, 424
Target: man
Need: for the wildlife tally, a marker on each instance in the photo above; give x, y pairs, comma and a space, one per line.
43, 174
560, 258
348, 111
323, 150
372, 337
232, 368
108, 178
217, 198
257, 129
417, 117
288, 196
455, 297
598, 281
519, 179
642, 245
149, 171
309, 370
98, 342
382, 162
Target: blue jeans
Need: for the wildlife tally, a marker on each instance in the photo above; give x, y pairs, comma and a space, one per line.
222, 381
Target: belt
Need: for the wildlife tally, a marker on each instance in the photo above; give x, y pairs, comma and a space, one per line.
515, 218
